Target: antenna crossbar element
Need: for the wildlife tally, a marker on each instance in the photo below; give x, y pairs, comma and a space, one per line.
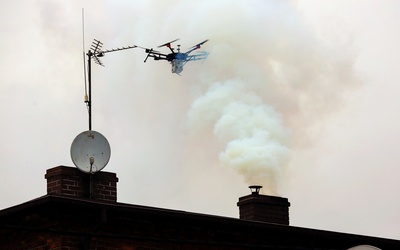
101, 53
96, 46
95, 50
97, 60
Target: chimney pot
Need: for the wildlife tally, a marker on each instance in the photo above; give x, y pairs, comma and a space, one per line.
255, 189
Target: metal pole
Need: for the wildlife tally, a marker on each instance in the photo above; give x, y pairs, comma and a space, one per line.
89, 54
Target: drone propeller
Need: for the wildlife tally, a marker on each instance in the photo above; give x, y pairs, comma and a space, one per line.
168, 44
197, 46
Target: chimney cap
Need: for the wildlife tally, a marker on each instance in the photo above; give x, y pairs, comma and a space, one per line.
255, 189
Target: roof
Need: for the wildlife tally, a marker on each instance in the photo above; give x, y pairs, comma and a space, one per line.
61, 215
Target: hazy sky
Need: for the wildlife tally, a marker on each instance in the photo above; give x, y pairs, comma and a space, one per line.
298, 96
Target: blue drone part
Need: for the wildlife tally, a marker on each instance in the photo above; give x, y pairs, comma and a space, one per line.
177, 59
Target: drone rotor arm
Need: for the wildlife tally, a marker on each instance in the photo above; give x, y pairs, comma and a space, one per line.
198, 46
168, 44
195, 47
155, 54
197, 57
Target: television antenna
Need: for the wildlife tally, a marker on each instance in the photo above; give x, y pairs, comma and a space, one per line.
94, 53
90, 150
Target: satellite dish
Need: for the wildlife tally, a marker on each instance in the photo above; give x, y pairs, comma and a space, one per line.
90, 151
364, 247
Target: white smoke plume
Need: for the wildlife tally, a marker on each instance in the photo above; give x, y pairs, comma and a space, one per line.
269, 79
255, 137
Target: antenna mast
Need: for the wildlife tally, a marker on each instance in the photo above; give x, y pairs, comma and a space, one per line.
94, 53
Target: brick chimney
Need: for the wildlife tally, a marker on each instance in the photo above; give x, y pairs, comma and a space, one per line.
71, 182
265, 208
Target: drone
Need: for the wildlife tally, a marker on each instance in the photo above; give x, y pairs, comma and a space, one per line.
177, 59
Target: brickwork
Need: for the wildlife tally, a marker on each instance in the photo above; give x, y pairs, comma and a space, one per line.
264, 208
70, 181
105, 186
55, 222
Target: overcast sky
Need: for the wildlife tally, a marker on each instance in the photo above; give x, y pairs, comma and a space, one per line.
301, 97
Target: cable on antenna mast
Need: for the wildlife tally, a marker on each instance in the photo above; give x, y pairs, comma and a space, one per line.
83, 51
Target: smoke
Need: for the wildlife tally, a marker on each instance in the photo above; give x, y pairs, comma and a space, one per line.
270, 80
255, 138
268, 83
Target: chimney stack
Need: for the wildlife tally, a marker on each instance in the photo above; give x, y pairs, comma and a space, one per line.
264, 208
70, 181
